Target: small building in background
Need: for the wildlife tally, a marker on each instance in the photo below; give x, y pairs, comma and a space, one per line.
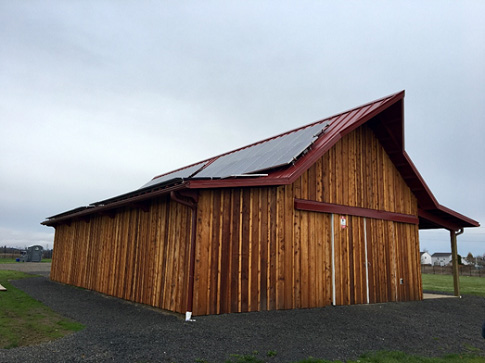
33, 254
426, 258
441, 258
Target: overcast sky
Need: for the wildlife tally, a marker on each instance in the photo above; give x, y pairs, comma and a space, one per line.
98, 97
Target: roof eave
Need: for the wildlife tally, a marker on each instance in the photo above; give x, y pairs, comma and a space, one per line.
104, 208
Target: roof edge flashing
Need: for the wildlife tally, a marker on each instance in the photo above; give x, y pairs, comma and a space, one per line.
244, 176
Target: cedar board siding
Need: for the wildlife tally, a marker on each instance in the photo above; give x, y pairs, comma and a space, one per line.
136, 255
256, 252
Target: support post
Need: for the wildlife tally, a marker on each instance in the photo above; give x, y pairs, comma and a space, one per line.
454, 257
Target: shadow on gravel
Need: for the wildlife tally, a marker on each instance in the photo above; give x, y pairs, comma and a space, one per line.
120, 331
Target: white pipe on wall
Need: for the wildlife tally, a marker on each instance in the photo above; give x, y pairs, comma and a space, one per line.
333, 265
366, 260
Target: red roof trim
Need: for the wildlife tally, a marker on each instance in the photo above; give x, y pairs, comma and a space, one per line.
339, 126
420, 178
103, 209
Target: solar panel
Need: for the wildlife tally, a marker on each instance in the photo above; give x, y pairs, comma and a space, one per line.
178, 174
270, 154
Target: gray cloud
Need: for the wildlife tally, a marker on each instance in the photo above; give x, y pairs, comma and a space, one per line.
96, 98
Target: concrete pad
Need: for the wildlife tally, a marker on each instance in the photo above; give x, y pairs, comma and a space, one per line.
437, 296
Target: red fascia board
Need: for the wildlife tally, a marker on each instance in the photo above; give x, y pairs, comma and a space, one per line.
121, 203
314, 206
236, 183
419, 178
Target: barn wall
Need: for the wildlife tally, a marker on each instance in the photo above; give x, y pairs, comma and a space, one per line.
256, 252
236, 251
133, 254
357, 172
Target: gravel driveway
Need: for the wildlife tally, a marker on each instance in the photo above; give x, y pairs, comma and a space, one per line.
120, 331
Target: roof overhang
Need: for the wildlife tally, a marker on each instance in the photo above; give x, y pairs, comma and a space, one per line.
442, 217
136, 198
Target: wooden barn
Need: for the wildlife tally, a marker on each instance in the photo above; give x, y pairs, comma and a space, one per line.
324, 214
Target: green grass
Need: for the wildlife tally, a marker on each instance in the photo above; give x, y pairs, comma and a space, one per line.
7, 260
376, 357
469, 285
26, 321
13, 260
400, 357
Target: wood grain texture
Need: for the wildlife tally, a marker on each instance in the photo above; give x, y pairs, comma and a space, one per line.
138, 256
254, 251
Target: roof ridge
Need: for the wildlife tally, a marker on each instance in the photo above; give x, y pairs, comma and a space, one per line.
210, 160
337, 115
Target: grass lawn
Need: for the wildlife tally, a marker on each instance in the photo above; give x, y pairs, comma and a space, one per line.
469, 285
12, 260
7, 260
377, 357
26, 321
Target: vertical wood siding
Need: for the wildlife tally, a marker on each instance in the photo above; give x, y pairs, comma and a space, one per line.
236, 251
357, 172
254, 251
135, 255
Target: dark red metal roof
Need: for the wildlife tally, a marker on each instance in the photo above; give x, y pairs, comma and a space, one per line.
386, 118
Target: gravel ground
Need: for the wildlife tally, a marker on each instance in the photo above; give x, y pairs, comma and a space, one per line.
117, 330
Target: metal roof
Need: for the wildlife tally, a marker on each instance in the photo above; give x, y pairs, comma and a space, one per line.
441, 254
283, 158
251, 160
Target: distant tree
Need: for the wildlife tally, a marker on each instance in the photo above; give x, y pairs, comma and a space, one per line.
469, 257
47, 253
459, 260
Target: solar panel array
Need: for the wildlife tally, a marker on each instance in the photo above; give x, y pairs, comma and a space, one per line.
257, 158
263, 156
178, 174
